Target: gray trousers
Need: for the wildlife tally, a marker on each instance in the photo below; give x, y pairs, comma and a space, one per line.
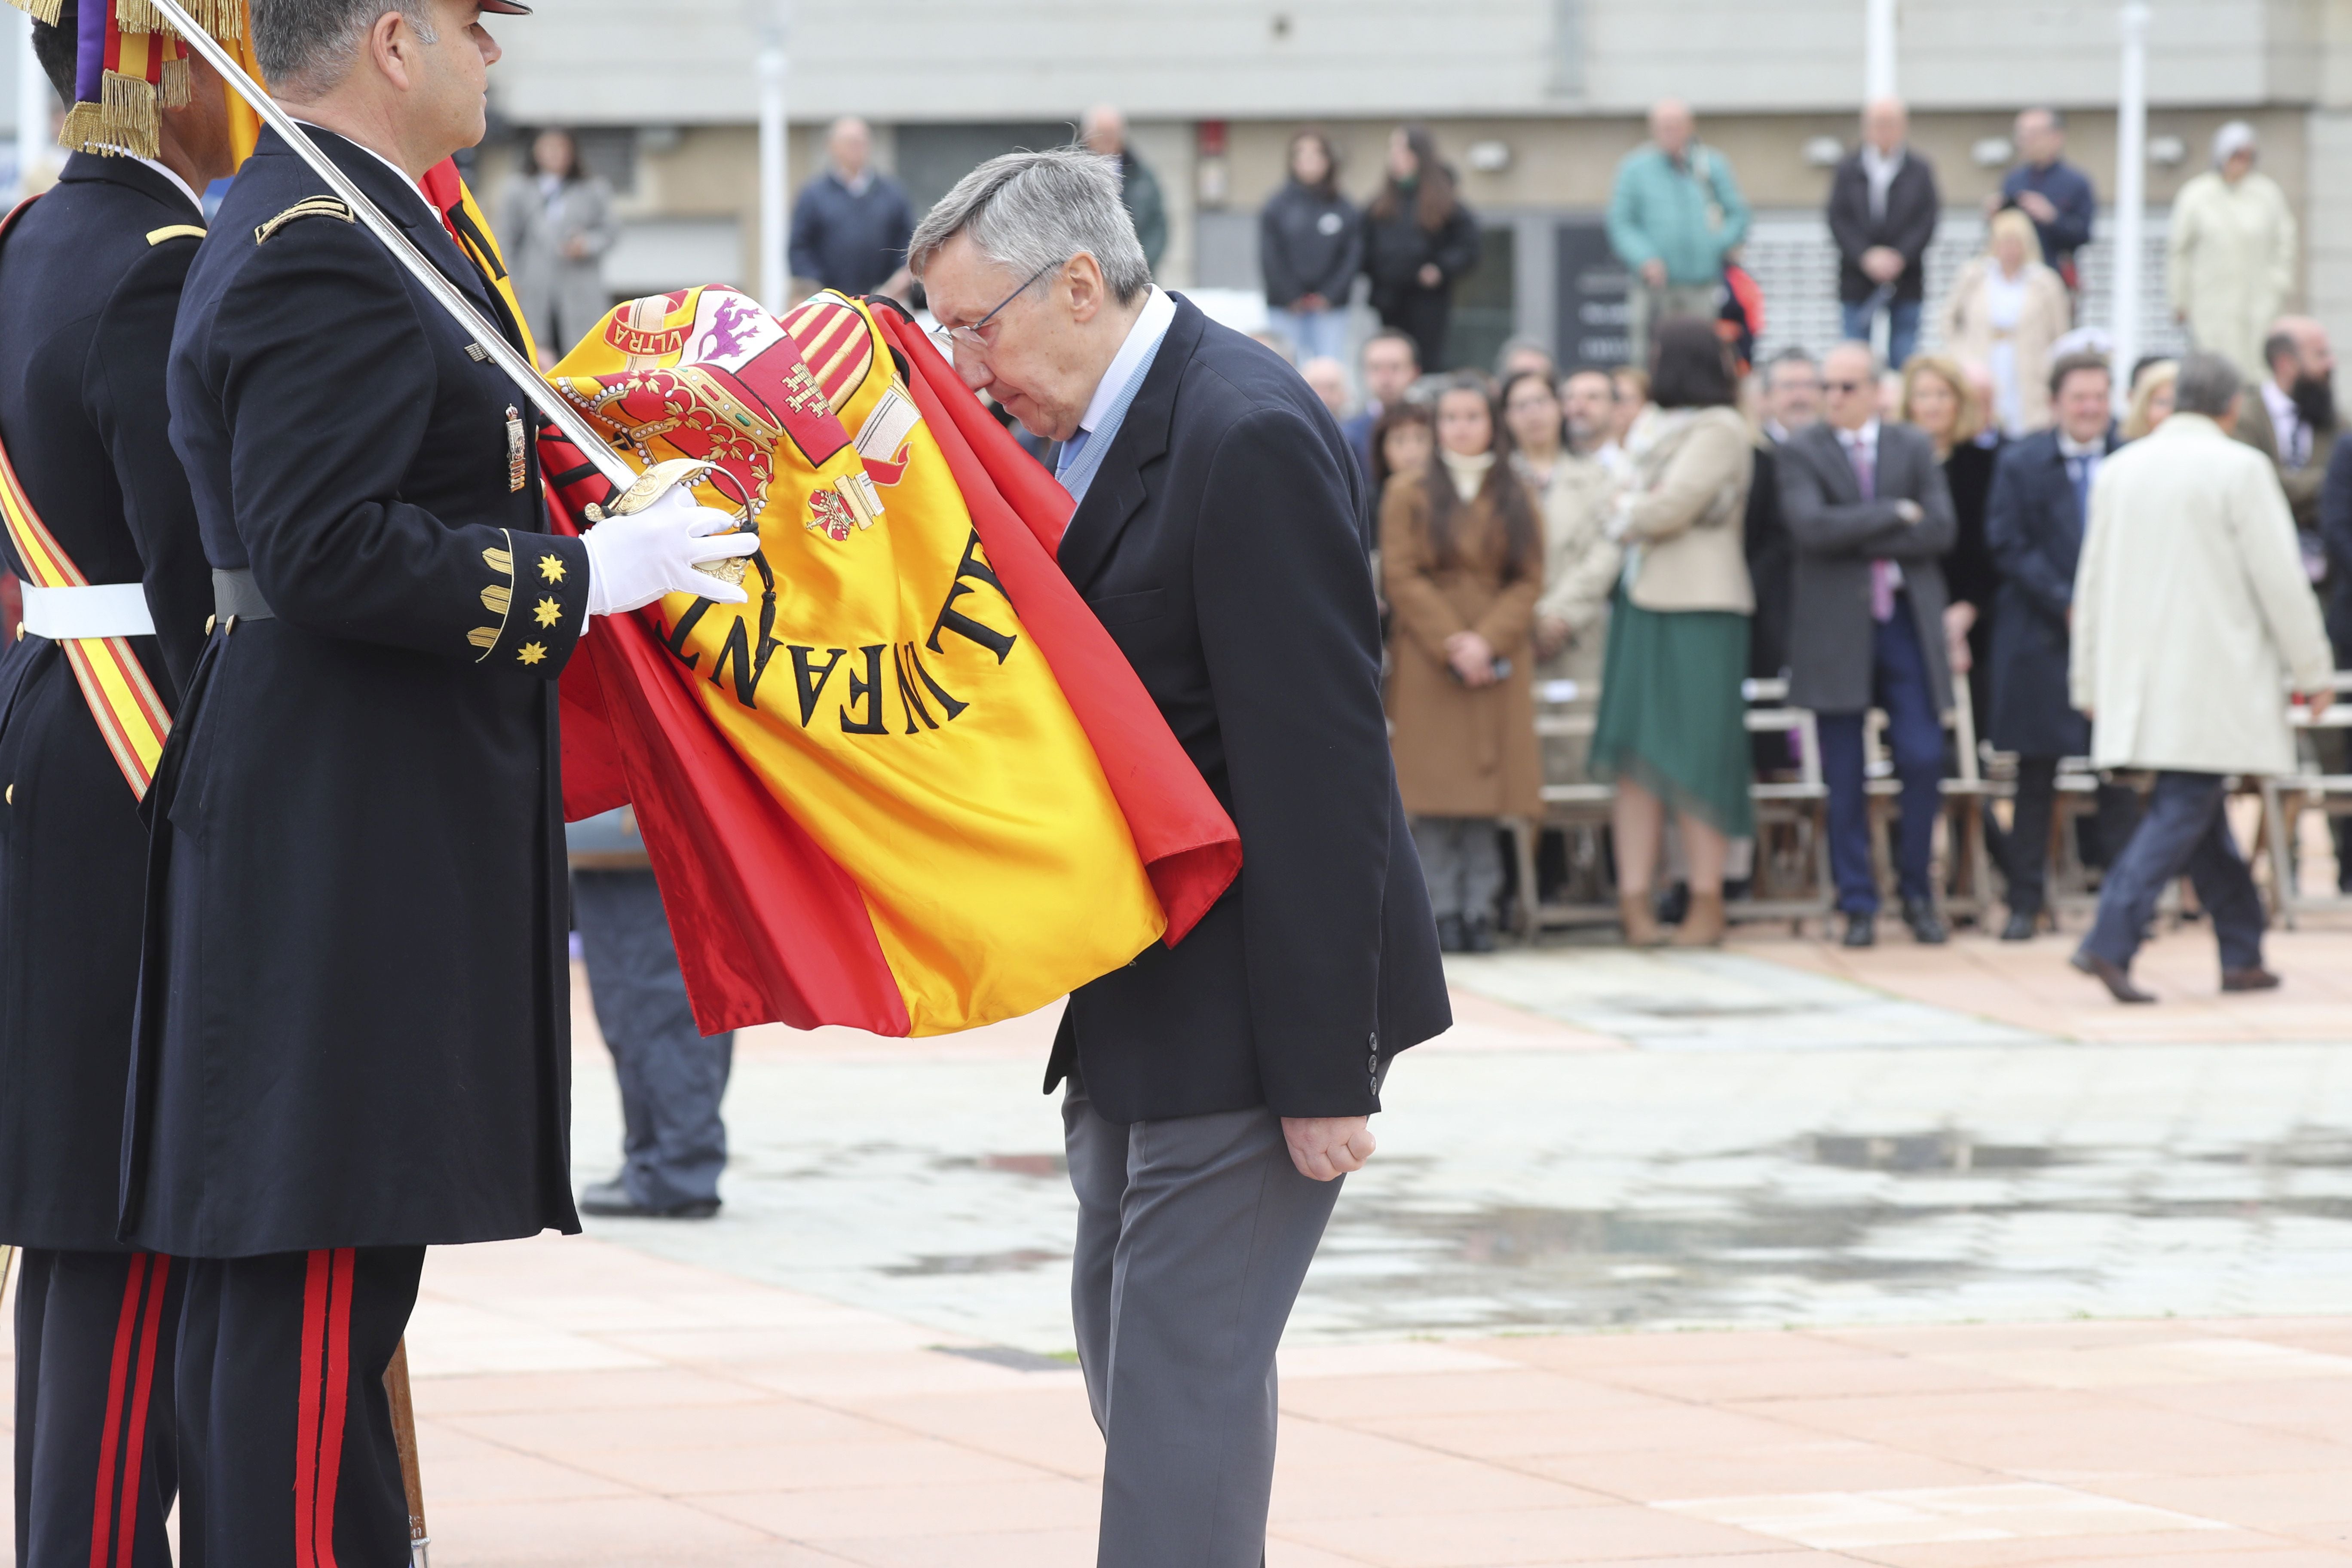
1193, 1237
672, 1078
1462, 862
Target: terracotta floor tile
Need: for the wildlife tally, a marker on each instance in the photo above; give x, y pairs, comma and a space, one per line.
1527, 1536
1426, 1484
657, 1389
1281, 1554
1530, 1435
1575, 1352
1526, 1390
2278, 1503
1799, 1464
1741, 1383
578, 1432
2206, 1549
913, 1507
596, 1532
862, 1379
2033, 1430
1070, 1548
800, 1467
459, 1469
2320, 1409
1050, 1428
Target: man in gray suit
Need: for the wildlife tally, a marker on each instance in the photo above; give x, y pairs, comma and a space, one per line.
1867, 507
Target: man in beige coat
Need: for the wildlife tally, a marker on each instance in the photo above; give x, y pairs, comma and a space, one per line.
2229, 252
2192, 621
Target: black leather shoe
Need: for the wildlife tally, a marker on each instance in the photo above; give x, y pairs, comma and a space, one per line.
1925, 925
2254, 979
2117, 980
610, 1200
1451, 937
1478, 935
2021, 927
1862, 931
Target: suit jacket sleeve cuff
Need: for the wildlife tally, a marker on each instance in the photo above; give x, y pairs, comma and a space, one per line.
534, 602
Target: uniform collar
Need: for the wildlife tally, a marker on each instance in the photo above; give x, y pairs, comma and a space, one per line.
178, 183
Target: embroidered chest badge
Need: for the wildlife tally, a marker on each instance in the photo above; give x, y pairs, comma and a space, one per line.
517, 465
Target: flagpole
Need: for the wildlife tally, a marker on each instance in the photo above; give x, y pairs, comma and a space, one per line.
775, 174
447, 295
2131, 200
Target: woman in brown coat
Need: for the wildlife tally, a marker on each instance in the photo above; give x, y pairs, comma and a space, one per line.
1461, 558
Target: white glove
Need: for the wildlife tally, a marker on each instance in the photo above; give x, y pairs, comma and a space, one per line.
633, 561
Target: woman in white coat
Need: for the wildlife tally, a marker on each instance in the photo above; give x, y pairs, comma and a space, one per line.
2230, 256
2192, 621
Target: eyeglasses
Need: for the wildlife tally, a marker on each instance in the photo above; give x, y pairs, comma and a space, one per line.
1844, 385
969, 336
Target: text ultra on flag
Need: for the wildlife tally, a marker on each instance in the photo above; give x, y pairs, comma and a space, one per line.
910, 786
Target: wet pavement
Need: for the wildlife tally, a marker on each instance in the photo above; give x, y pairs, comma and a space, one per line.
1619, 1141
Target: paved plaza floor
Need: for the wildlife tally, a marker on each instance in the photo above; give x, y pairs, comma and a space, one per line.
1771, 1256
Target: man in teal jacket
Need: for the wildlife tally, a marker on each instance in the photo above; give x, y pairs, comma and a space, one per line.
1673, 216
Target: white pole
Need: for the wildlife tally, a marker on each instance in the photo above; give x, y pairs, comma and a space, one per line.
35, 149
1878, 50
775, 195
2131, 197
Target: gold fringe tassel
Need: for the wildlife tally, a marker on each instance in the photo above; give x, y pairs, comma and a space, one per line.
45, 11
138, 17
173, 94
221, 18
122, 120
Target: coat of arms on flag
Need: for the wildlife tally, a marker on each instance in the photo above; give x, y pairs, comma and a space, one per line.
911, 785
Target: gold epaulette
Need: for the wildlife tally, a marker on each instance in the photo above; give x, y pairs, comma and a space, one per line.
175, 231
313, 207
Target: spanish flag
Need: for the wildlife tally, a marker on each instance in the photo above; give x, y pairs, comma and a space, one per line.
912, 785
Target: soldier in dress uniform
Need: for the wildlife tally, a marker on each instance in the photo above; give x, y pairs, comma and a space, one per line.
90, 282
352, 1031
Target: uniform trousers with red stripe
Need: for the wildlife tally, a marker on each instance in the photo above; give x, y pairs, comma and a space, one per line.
287, 1456
96, 1468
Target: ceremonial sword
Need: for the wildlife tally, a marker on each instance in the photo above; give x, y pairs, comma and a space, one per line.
633, 491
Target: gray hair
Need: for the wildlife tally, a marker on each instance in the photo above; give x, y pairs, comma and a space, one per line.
2207, 384
1031, 211
311, 45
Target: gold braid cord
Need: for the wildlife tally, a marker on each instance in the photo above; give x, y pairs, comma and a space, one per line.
146, 72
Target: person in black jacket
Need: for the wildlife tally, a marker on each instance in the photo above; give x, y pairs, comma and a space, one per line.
1419, 241
90, 282
2034, 523
851, 223
2336, 538
1216, 1091
1310, 242
1883, 212
353, 1030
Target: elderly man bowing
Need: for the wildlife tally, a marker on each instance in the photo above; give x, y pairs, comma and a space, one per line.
2192, 617
1216, 1091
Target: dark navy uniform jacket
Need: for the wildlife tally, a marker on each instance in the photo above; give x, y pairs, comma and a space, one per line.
90, 282
353, 1020
2035, 529
1220, 545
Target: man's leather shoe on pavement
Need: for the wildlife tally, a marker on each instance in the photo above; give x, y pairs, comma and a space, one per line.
1862, 931
610, 1200
2117, 980
2021, 927
2254, 979
1924, 923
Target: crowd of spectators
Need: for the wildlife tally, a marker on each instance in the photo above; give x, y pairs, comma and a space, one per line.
1887, 533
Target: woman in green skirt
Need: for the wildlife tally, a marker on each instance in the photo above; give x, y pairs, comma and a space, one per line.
1671, 734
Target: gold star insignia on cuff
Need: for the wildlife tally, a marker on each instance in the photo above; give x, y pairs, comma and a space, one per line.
551, 568
548, 611
530, 653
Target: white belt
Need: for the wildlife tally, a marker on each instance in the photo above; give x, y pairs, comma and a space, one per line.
104, 610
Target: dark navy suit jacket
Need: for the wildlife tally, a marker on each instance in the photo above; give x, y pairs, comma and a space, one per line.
1219, 545
2035, 529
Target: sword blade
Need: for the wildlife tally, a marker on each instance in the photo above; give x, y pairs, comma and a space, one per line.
447, 295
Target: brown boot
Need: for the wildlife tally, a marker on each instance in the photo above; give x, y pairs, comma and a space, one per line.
1641, 922
1703, 924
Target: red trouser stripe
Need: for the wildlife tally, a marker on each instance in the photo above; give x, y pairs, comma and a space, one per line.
126, 1328
338, 1384
135, 1437
306, 1413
